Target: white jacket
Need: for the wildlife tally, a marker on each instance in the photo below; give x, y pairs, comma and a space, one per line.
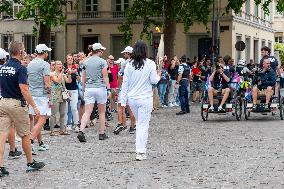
137, 84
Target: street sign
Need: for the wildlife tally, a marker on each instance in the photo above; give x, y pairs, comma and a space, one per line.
240, 46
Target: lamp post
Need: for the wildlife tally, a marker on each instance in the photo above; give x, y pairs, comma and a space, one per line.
215, 30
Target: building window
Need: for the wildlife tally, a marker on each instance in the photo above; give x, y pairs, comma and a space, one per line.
248, 45
52, 45
117, 46
247, 8
91, 5
256, 13
119, 8
270, 44
278, 39
263, 43
16, 9
256, 50
6, 40
30, 42
121, 5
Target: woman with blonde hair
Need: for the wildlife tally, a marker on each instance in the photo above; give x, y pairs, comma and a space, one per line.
59, 104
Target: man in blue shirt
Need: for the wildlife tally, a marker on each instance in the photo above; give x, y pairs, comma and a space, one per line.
183, 80
265, 81
266, 53
15, 93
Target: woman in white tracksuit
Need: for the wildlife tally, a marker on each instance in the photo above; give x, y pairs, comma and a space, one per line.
139, 76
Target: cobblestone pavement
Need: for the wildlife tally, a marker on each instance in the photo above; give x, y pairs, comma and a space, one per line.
184, 152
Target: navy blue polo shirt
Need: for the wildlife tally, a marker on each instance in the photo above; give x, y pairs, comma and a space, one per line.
11, 75
273, 63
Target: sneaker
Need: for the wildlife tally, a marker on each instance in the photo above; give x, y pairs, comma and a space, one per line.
34, 166
221, 109
164, 106
171, 105
56, 126
43, 147
141, 156
103, 136
176, 105
254, 107
211, 109
181, 113
81, 137
33, 150
69, 128
3, 172
132, 130
118, 129
77, 129
15, 155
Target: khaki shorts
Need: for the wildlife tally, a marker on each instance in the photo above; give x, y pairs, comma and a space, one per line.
12, 112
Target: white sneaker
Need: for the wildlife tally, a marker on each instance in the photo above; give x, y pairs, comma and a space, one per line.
69, 128
141, 156
43, 147
77, 129
211, 108
176, 105
171, 105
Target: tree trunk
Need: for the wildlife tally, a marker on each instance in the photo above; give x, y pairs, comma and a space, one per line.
169, 38
169, 28
44, 34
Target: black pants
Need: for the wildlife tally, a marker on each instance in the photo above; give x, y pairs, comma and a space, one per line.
183, 95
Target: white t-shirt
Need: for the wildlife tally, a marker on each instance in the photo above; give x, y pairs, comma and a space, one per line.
137, 84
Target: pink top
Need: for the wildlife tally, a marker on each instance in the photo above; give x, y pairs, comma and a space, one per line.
114, 71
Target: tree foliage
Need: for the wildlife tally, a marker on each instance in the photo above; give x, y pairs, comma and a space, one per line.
156, 12
280, 47
46, 13
162, 12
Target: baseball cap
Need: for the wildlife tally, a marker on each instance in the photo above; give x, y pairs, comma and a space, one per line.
40, 48
242, 62
127, 49
98, 46
119, 61
3, 54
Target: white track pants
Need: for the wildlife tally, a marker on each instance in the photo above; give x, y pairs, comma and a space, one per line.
141, 109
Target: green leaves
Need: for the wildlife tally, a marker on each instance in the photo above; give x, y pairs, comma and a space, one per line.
188, 12
48, 12
280, 47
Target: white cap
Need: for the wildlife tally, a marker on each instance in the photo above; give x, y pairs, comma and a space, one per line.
119, 61
242, 62
127, 49
98, 46
3, 54
40, 48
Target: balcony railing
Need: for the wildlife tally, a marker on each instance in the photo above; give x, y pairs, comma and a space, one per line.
118, 14
90, 15
254, 18
87, 15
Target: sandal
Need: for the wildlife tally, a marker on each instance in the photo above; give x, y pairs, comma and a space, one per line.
53, 133
64, 133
